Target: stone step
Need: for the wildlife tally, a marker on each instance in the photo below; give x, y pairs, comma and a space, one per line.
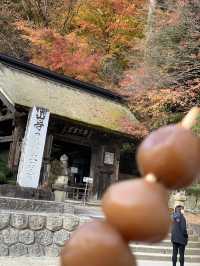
191, 244
191, 238
190, 231
164, 257
162, 249
167, 243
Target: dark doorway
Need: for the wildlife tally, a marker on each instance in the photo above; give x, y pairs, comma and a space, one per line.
79, 158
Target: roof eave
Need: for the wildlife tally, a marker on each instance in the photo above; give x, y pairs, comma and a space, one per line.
98, 127
7, 101
45, 73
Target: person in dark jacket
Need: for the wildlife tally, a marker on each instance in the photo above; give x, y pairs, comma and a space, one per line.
179, 235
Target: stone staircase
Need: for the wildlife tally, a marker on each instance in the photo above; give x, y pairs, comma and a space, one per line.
163, 251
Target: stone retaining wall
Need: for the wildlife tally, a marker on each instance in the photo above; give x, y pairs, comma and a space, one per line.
196, 229
34, 234
18, 204
192, 202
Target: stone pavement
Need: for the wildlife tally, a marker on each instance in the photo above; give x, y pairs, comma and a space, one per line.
44, 261
162, 263
25, 261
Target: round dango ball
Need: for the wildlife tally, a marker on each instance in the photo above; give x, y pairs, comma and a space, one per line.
172, 154
97, 244
138, 209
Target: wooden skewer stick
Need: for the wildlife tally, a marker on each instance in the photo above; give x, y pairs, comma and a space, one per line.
191, 118
151, 178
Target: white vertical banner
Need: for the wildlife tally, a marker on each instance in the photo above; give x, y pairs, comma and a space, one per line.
33, 148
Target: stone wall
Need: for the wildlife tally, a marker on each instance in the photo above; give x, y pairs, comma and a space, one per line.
35, 234
15, 191
38, 206
192, 202
196, 229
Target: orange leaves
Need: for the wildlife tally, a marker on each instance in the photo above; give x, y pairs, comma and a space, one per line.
68, 54
128, 7
39, 36
108, 21
136, 129
86, 34
123, 7
157, 107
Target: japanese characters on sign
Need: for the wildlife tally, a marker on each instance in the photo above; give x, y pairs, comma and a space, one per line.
74, 130
33, 148
40, 117
78, 131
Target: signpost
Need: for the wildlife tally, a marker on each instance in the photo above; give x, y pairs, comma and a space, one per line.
87, 180
33, 148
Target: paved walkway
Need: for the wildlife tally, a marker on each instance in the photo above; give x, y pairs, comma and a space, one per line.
163, 263
23, 261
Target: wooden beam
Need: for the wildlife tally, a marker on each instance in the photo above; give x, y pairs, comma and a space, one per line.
6, 101
15, 147
6, 139
72, 139
20, 114
6, 117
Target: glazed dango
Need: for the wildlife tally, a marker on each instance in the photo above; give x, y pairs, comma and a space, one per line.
138, 209
172, 154
97, 244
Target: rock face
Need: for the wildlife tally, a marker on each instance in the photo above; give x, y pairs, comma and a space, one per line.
18, 250
13, 191
26, 237
36, 250
44, 237
4, 220
70, 222
60, 237
3, 250
37, 222
54, 223
35, 234
190, 202
19, 221
52, 251
10, 236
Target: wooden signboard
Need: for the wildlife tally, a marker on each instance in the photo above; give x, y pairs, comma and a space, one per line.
109, 158
88, 180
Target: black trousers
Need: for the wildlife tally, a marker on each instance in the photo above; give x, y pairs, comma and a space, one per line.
178, 248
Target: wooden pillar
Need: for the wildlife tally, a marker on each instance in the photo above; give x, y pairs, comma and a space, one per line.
95, 157
45, 172
15, 146
104, 169
116, 163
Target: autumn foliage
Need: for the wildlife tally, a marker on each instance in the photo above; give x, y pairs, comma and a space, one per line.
149, 56
68, 54
92, 43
